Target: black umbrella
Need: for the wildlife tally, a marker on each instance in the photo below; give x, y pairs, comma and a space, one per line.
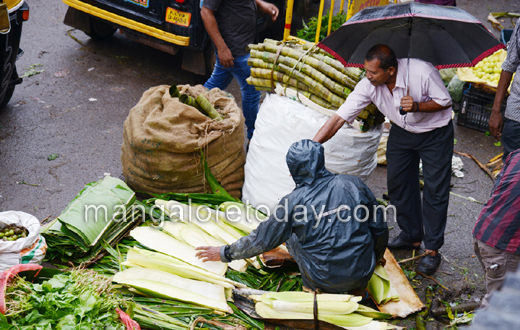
447, 37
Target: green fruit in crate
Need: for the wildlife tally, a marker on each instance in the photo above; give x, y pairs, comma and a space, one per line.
489, 69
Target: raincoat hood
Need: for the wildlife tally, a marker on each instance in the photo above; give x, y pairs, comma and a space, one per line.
306, 162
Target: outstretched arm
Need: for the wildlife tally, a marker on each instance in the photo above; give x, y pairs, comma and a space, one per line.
330, 128
267, 236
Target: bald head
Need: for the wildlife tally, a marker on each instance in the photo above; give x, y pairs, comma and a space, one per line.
384, 54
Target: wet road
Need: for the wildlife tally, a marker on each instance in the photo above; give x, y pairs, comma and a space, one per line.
76, 107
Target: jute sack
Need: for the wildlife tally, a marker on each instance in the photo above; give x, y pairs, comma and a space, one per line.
163, 137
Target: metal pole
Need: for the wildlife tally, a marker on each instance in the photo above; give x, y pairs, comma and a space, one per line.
320, 14
331, 14
341, 5
288, 19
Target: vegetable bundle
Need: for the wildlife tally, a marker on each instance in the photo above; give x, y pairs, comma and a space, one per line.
311, 72
309, 29
79, 299
99, 216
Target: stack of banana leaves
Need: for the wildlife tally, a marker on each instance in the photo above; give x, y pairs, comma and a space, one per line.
311, 72
96, 219
173, 289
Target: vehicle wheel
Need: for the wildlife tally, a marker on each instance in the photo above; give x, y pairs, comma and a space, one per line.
10, 89
100, 29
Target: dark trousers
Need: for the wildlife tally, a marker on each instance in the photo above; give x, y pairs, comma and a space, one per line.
403, 153
510, 137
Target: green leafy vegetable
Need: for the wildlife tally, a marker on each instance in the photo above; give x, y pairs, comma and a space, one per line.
80, 299
309, 30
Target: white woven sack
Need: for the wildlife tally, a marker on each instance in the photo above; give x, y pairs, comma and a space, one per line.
30, 249
281, 122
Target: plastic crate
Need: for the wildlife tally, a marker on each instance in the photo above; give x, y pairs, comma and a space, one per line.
476, 108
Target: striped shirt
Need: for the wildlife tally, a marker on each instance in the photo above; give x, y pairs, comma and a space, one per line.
499, 222
512, 64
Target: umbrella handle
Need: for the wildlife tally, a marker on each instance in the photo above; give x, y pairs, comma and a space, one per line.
401, 111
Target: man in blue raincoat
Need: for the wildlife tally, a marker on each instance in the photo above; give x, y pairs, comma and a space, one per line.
331, 224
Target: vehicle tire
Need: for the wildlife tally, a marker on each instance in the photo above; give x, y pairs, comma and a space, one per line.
100, 29
10, 89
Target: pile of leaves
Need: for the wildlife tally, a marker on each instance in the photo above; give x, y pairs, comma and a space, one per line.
309, 30
80, 299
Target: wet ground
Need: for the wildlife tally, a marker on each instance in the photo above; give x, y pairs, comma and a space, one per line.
76, 106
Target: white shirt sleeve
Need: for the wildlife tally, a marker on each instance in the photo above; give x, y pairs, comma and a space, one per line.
435, 89
358, 99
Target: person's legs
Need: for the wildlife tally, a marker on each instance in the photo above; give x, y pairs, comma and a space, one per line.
436, 153
220, 78
496, 263
250, 96
510, 137
403, 183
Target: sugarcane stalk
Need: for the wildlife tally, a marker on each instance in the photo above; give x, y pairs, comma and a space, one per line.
325, 57
277, 76
334, 87
265, 84
316, 99
321, 90
188, 100
260, 64
261, 88
174, 91
207, 108
306, 45
314, 63
353, 73
296, 53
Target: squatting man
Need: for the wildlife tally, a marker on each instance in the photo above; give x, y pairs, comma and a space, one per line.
333, 255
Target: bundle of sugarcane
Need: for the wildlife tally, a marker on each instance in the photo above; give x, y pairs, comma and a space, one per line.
311, 72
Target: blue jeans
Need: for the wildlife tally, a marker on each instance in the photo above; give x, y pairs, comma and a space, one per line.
222, 77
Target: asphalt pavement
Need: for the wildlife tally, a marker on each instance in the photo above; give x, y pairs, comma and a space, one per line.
75, 108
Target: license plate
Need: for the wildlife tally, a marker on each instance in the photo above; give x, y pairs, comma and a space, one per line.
178, 17
143, 3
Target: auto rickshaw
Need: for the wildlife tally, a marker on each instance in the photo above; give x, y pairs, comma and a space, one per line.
167, 25
12, 14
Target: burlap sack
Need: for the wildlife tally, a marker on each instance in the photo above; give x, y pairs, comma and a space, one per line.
163, 138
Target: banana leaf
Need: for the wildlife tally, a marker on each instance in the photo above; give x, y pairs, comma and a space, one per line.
105, 198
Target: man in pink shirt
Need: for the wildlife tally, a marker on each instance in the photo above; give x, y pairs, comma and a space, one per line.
424, 132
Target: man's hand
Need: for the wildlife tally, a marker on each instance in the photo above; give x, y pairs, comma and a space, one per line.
268, 8
407, 104
225, 57
495, 124
208, 253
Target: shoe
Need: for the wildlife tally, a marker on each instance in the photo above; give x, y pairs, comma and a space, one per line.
429, 264
398, 243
